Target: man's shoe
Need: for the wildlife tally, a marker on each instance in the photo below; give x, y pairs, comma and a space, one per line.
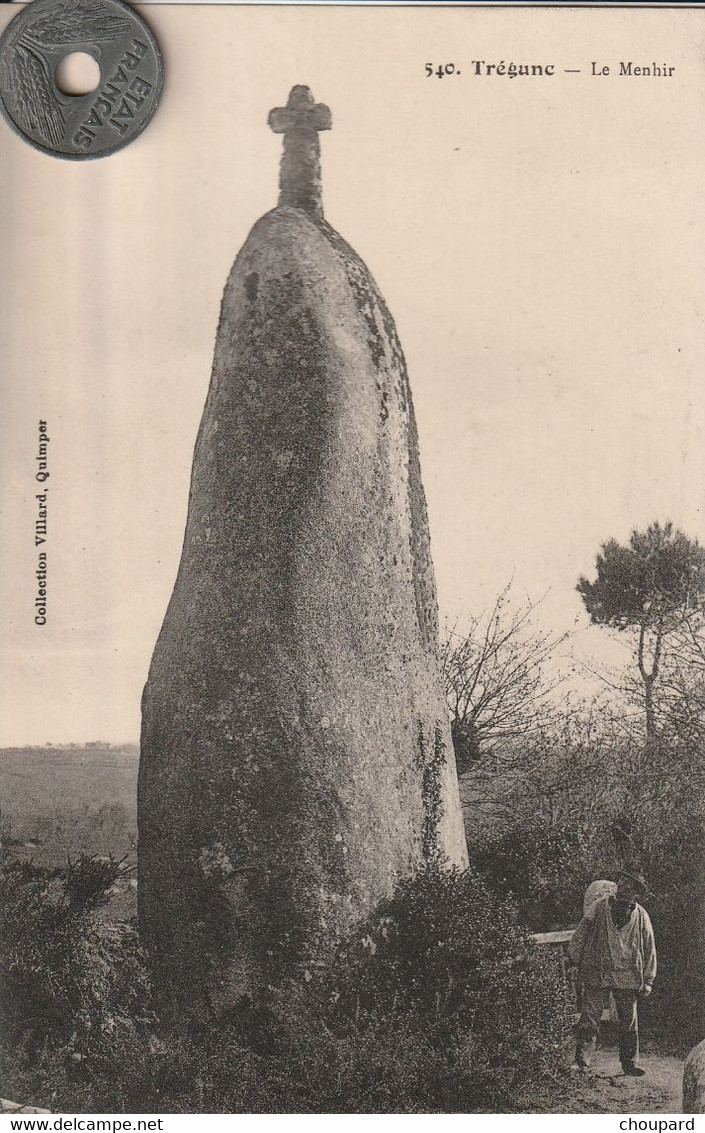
580, 1068
631, 1070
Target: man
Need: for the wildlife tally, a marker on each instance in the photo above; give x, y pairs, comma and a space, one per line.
614, 949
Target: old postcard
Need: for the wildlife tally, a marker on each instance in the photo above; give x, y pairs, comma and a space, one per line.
354, 655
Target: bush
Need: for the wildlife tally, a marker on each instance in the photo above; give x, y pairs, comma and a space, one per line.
449, 954
672, 858
74, 990
655, 818
438, 1003
545, 870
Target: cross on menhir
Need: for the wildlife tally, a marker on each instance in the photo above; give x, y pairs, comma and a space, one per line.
300, 174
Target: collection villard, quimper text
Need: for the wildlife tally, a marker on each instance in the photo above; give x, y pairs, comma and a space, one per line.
40, 525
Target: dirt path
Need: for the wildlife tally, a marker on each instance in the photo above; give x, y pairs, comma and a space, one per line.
606, 1090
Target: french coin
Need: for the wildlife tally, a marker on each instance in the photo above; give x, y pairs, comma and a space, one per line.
86, 125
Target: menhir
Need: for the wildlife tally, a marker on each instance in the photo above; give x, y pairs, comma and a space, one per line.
296, 757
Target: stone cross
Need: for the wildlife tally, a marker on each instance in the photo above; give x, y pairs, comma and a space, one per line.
300, 174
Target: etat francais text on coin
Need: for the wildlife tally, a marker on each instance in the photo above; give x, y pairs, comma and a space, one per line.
87, 125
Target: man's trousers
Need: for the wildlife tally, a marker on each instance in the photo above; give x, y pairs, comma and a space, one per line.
589, 1024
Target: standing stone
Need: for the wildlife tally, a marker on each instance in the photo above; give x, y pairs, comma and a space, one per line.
694, 1080
296, 757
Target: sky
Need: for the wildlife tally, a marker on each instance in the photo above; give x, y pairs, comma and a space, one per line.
538, 241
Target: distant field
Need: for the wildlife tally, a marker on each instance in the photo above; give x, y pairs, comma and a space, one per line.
63, 801
34, 780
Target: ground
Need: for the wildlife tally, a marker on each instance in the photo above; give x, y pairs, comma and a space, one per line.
606, 1090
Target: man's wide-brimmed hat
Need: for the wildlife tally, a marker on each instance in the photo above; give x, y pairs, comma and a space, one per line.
632, 873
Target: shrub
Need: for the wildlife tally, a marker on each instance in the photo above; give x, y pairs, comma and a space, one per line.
450, 954
437, 1003
656, 820
545, 870
74, 990
672, 860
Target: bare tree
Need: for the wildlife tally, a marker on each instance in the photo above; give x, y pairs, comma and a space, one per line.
496, 681
681, 700
567, 771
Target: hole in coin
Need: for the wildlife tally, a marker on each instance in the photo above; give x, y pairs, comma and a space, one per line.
77, 73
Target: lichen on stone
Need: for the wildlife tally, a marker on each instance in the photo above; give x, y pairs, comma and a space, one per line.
214, 861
